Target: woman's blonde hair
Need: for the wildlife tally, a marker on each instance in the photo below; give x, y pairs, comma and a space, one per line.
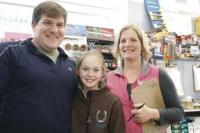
145, 42
97, 54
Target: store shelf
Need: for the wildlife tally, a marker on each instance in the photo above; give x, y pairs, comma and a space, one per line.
192, 113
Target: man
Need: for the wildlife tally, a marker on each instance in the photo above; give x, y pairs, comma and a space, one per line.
37, 78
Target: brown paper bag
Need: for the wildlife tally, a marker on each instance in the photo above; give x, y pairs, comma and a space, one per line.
149, 92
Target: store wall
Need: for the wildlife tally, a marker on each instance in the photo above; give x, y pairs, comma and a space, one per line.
15, 15
137, 15
178, 15
187, 77
14, 18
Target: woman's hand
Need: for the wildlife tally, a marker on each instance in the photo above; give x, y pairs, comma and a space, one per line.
145, 114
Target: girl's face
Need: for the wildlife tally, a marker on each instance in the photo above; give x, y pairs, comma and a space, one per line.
130, 45
91, 72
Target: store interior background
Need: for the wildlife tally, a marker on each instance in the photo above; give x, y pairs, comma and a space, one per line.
179, 15
15, 15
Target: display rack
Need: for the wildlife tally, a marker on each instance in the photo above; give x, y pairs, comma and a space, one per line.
102, 39
79, 39
75, 41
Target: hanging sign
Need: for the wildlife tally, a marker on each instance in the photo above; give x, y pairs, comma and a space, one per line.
106, 34
93, 32
75, 30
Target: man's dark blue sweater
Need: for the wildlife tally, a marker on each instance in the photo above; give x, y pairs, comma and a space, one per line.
3, 46
38, 91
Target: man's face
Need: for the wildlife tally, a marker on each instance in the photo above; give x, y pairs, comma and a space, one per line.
48, 32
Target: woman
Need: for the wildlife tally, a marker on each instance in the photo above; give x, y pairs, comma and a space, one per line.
132, 49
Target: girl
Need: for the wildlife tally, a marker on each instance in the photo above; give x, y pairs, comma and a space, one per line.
95, 110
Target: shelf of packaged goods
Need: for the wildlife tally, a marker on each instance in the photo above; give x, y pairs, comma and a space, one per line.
192, 112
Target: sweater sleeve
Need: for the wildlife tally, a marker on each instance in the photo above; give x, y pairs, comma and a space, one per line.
173, 111
117, 123
6, 65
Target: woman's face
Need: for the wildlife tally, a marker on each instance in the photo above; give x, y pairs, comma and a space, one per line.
130, 45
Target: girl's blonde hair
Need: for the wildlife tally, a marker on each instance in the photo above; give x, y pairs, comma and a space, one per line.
97, 54
146, 53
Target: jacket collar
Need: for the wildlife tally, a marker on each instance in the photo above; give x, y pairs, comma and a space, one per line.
92, 92
34, 49
145, 68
